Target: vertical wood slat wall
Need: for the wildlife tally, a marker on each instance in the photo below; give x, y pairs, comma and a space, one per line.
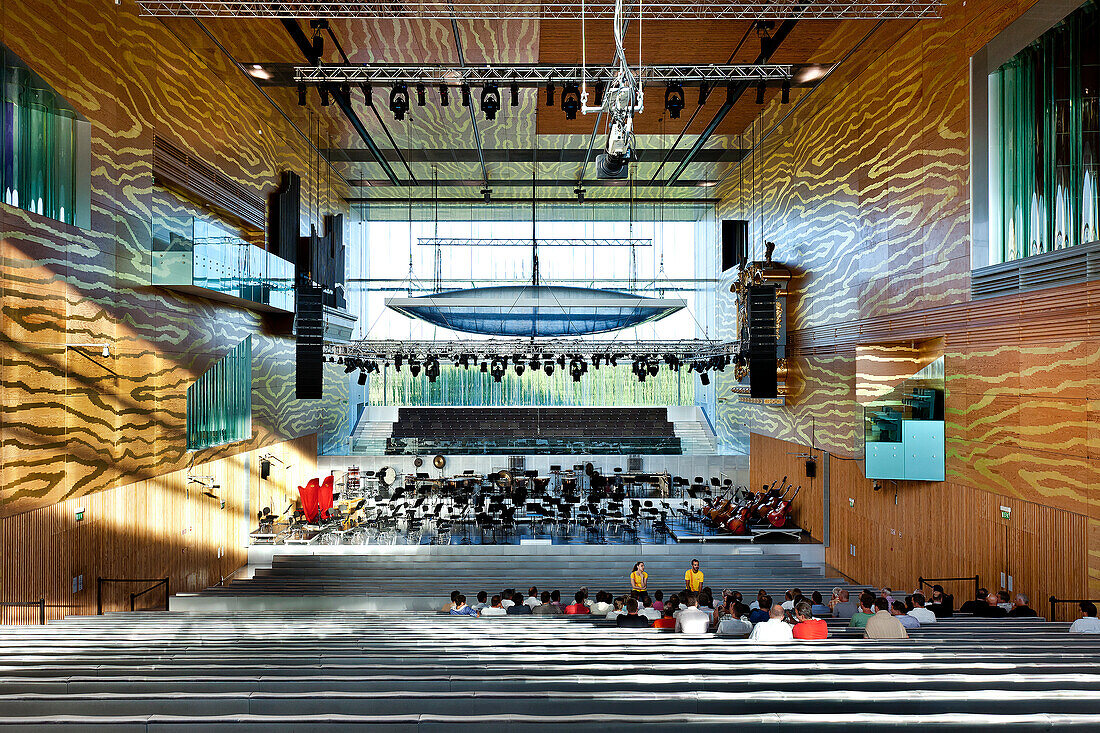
935, 529
159, 527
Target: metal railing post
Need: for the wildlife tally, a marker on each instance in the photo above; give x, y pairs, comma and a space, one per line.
99, 596
42, 611
1053, 600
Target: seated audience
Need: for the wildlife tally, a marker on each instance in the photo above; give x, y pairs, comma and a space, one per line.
882, 625
555, 598
631, 619
865, 611
886, 593
648, 609
506, 597
493, 609
897, 610
808, 627
756, 604
1088, 623
518, 607
941, 604
658, 600
587, 601
1004, 600
667, 620
532, 599
482, 601
818, 608
706, 601
692, 620
618, 608
919, 612
461, 609
844, 607
990, 609
977, 604
578, 606
545, 607
454, 596
763, 610
774, 629
788, 601
1020, 609
603, 603
734, 619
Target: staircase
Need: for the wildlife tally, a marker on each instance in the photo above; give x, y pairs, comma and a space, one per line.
691, 427
372, 431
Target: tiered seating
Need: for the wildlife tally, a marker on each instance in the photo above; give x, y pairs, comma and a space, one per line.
399, 671
533, 430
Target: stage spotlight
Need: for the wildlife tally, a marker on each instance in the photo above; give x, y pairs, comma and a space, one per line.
613, 361
535, 364
465, 95
570, 100
303, 90
596, 361
345, 89
704, 92
760, 92
484, 367
575, 370
349, 367
550, 95
444, 96
674, 100
704, 378
325, 98
464, 361
497, 370
490, 101
601, 86
519, 369
653, 369
561, 361
414, 368
786, 95
431, 368
580, 194
368, 95
399, 100
362, 378
421, 95
548, 369
515, 94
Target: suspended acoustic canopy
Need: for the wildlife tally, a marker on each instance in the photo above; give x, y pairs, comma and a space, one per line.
535, 311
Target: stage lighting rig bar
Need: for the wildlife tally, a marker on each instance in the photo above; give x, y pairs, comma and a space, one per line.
464, 242
568, 9
537, 75
689, 350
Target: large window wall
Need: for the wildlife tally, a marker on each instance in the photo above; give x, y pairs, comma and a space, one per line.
1045, 142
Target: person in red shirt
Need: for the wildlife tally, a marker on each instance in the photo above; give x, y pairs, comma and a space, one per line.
808, 627
578, 606
667, 620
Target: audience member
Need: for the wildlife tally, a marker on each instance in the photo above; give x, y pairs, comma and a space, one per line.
546, 608
482, 601
667, 620
990, 609
618, 608
532, 599
692, 620
941, 604
1020, 609
865, 611
461, 609
518, 607
587, 601
817, 606
602, 604
763, 610
658, 600
454, 596
1004, 600
844, 607
734, 619
631, 619
1088, 623
650, 610
882, 625
506, 598
808, 627
756, 604
494, 609
774, 629
897, 610
577, 607
920, 613
788, 600
977, 604
706, 601
887, 593
555, 598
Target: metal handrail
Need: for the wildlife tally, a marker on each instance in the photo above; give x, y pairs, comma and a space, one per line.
41, 604
922, 581
1054, 600
157, 582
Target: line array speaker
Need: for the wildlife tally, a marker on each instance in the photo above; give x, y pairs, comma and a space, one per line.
763, 337
763, 377
309, 343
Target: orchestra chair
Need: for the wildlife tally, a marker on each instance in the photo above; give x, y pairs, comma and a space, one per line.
309, 496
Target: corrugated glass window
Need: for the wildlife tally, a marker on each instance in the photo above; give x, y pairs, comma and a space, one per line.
219, 403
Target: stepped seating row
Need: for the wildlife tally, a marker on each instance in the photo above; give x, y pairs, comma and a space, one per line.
440, 423
379, 671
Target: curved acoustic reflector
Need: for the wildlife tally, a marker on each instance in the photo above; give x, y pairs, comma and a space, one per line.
524, 310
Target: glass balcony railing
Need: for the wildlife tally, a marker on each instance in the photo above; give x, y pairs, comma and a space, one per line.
904, 429
205, 256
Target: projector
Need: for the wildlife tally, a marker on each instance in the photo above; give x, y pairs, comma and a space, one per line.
612, 167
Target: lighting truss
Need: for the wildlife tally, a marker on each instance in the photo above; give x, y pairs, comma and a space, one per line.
688, 350
536, 75
570, 9
464, 242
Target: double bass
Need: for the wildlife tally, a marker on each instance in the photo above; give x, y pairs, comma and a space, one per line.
778, 517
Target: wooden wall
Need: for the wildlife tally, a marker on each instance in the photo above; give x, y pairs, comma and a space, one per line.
865, 188
160, 527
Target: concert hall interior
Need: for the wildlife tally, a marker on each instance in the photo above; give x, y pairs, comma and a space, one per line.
315, 312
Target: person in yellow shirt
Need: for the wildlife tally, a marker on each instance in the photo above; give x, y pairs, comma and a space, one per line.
639, 578
693, 579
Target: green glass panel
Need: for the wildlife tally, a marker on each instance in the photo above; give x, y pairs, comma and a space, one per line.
219, 403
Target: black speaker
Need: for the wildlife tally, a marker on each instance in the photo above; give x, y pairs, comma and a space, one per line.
811, 468
763, 337
265, 469
735, 243
309, 342
763, 377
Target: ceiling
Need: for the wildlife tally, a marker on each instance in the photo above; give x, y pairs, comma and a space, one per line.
439, 146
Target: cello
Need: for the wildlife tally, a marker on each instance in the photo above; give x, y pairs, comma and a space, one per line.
778, 517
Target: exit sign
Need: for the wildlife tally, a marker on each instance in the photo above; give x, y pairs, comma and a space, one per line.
1006, 512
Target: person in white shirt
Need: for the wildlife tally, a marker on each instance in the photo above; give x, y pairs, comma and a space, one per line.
774, 629
691, 620
532, 599
616, 610
603, 602
506, 601
496, 609
648, 611
1088, 623
919, 612
788, 603
482, 601
756, 604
